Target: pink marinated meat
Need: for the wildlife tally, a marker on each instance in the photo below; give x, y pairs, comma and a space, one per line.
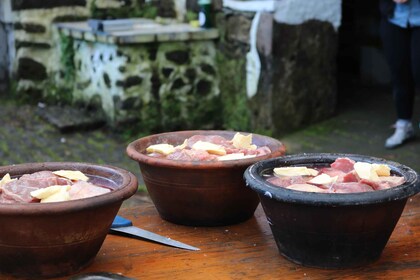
260, 151
285, 181
351, 187
333, 172
43, 179
20, 190
386, 182
188, 154
191, 155
350, 177
344, 164
82, 189
347, 180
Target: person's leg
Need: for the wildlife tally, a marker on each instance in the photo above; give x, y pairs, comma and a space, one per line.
397, 46
415, 55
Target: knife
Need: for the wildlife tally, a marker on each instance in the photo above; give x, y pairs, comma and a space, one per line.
125, 226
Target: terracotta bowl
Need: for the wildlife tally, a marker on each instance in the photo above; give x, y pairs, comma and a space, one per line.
43, 240
199, 193
330, 230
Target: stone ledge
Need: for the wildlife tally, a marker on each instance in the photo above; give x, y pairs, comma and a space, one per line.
68, 119
142, 31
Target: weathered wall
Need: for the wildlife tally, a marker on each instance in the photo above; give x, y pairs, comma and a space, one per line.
37, 60
36, 67
163, 86
296, 85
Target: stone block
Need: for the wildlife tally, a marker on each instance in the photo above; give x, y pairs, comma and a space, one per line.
178, 56
237, 28
44, 4
30, 69
304, 74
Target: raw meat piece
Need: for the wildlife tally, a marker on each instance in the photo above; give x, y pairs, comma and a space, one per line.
350, 177
285, 181
82, 189
343, 164
19, 191
385, 182
43, 179
192, 155
351, 187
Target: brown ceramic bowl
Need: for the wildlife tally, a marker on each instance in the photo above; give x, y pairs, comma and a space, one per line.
199, 193
330, 230
42, 240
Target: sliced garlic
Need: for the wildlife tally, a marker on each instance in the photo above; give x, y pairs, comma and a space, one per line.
382, 169
164, 149
49, 191
295, 171
209, 147
183, 145
235, 156
73, 175
305, 188
366, 171
323, 179
6, 179
62, 195
241, 141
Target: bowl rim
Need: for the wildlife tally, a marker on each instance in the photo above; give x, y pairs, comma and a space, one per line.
128, 187
134, 153
258, 184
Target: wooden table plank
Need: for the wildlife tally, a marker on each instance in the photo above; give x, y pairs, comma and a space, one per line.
243, 251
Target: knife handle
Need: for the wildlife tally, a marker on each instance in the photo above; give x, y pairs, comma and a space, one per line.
121, 222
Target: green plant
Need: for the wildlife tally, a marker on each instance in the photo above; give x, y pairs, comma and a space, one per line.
67, 58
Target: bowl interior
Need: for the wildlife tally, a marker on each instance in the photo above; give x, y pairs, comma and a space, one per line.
122, 183
137, 149
254, 175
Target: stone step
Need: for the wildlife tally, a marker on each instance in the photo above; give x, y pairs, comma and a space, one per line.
69, 119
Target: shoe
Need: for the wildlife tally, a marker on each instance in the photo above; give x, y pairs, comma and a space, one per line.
403, 131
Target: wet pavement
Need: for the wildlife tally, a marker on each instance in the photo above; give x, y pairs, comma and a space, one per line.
361, 125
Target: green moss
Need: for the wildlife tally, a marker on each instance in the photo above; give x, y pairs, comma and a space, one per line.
236, 114
67, 58
142, 188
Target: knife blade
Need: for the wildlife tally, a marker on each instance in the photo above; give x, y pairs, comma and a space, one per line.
125, 226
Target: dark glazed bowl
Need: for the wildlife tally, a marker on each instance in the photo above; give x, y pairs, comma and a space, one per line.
330, 230
199, 193
43, 240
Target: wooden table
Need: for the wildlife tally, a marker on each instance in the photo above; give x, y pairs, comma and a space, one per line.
243, 251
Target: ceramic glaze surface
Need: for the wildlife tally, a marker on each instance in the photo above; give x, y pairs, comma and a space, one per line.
199, 193
43, 240
331, 230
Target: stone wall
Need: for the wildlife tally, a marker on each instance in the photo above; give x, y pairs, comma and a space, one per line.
275, 81
165, 86
37, 61
293, 61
